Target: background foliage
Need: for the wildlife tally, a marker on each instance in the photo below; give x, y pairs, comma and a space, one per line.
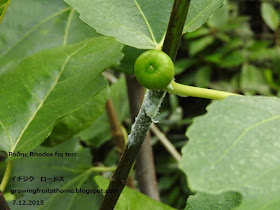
52, 90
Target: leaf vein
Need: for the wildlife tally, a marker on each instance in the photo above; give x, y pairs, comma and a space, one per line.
261, 175
269, 203
66, 186
31, 91
199, 14
78, 186
239, 138
32, 29
8, 133
68, 27
118, 23
5, 6
146, 21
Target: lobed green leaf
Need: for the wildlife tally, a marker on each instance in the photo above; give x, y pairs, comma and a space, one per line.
76, 172
131, 199
140, 23
48, 86
49, 24
235, 147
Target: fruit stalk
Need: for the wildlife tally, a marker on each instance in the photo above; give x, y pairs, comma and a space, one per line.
185, 90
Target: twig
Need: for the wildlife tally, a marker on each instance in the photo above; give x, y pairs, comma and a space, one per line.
103, 169
117, 132
145, 167
135, 139
3, 203
115, 126
145, 170
166, 143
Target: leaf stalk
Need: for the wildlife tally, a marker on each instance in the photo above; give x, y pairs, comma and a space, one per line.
6, 176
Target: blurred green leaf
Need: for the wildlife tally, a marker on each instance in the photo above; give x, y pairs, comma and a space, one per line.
78, 120
127, 64
225, 85
96, 136
100, 132
228, 54
165, 183
264, 53
198, 33
183, 64
259, 44
174, 195
269, 78
188, 78
200, 44
270, 15
241, 27
232, 59
234, 44
223, 37
199, 12
203, 76
252, 79
219, 18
